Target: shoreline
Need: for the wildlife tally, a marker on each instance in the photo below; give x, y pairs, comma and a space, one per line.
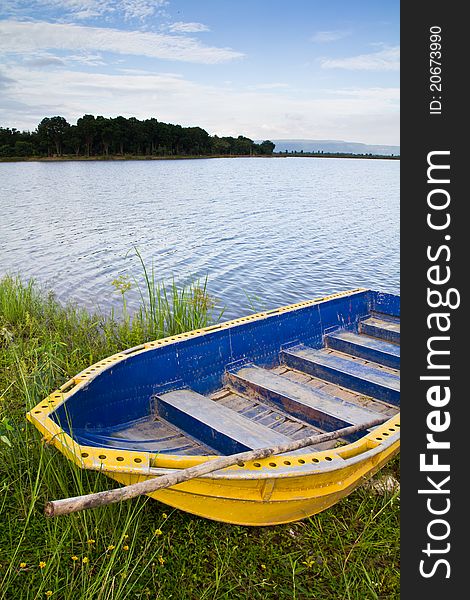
118, 157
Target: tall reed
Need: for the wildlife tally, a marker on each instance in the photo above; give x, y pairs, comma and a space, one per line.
167, 309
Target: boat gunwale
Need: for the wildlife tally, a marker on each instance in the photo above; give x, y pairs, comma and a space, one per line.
338, 463
140, 462
88, 457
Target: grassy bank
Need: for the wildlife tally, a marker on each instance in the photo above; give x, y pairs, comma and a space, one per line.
143, 549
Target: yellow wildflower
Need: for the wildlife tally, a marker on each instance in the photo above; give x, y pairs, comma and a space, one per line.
42, 564
125, 536
161, 560
74, 558
125, 547
49, 593
22, 565
85, 560
308, 563
90, 542
165, 516
111, 547
263, 567
158, 532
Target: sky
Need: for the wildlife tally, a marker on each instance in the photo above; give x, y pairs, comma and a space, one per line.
266, 69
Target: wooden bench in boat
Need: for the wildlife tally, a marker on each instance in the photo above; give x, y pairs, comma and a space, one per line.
367, 379
381, 327
313, 406
363, 346
214, 424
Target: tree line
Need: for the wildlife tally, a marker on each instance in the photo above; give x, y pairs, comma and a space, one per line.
103, 136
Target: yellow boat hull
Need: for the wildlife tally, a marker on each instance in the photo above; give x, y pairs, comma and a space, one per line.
269, 501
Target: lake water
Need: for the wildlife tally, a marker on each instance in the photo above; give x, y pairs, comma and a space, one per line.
266, 232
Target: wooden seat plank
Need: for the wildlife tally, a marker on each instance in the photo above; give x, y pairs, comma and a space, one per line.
363, 346
304, 402
214, 424
365, 379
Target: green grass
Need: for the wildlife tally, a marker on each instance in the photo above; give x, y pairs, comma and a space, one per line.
144, 549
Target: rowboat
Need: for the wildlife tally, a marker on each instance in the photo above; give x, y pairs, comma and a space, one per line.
259, 381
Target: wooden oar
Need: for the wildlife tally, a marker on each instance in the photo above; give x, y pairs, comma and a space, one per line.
70, 505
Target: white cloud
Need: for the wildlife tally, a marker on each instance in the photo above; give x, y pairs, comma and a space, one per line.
5, 81
181, 27
387, 59
139, 9
91, 60
23, 37
365, 115
87, 9
47, 59
79, 8
329, 36
379, 94
145, 72
44, 59
270, 86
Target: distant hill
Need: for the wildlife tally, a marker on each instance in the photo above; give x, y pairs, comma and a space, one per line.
333, 146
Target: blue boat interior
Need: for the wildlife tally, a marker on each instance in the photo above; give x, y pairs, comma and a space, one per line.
257, 383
